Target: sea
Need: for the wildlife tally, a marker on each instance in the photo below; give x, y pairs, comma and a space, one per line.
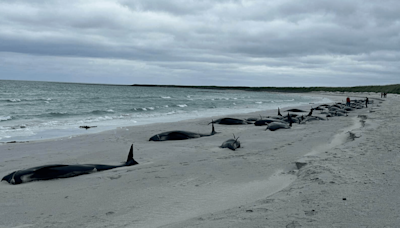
32, 110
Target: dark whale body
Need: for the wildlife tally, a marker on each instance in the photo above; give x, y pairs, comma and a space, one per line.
48, 172
266, 121
230, 121
232, 144
295, 110
276, 126
311, 118
252, 119
180, 135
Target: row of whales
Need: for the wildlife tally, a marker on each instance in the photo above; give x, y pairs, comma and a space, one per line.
48, 172
56, 171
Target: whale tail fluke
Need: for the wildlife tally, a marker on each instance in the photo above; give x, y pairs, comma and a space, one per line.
289, 119
234, 137
9, 177
130, 161
310, 113
213, 132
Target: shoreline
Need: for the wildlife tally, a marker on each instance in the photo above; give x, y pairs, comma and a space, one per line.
189, 183
47, 134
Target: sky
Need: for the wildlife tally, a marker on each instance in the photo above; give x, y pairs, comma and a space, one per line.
202, 42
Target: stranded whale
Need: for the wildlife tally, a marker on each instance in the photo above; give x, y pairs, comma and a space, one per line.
180, 135
48, 172
295, 110
232, 144
230, 121
277, 125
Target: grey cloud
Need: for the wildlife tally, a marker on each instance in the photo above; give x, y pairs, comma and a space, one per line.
224, 38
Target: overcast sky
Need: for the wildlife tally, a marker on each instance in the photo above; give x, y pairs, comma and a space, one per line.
202, 42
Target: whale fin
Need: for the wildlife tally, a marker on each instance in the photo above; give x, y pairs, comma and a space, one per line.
213, 132
279, 112
130, 154
130, 160
289, 119
310, 113
9, 177
236, 139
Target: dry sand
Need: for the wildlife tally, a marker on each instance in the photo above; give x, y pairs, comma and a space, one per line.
350, 177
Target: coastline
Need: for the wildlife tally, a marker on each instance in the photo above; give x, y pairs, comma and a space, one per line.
391, 88
54, 132
190, 183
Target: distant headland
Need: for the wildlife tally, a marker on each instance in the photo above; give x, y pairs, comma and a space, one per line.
394, 89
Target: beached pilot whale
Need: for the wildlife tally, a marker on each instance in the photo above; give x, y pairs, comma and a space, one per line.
295, 110
277, 125
230, 121
266, 121
232, 144
180, 135
48, 172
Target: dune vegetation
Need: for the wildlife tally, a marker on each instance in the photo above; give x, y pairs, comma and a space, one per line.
394, 89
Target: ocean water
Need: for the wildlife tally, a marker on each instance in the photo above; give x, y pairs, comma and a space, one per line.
41, 110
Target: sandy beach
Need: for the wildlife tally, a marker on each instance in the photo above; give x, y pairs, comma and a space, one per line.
342, 172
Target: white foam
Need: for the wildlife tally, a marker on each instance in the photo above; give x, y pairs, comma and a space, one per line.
3, 118
51, 123
204, 106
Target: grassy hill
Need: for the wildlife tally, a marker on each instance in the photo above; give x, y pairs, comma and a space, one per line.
378, 89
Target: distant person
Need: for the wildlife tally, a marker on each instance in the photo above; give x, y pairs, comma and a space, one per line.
366, 102
348, 101
381, 95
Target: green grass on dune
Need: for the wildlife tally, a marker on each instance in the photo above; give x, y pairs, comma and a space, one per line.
394, 89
